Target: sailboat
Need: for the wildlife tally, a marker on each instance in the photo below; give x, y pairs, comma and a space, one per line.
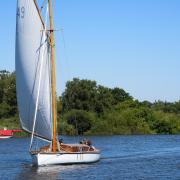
36, 87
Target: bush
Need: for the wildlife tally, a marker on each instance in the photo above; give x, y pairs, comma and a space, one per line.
80, 119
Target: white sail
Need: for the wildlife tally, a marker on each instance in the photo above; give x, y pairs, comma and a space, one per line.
30, 49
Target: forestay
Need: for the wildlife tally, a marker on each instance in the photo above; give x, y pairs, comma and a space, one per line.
29, 49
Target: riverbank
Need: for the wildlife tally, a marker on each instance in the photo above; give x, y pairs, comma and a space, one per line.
104, 128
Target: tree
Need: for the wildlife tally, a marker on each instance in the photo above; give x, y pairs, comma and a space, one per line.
8, 102
79, 94
120, 95
87, 95
81, 120
103, 100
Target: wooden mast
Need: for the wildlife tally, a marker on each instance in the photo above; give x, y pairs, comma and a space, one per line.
54, 115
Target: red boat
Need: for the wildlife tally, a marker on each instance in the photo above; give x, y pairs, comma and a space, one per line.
4, 134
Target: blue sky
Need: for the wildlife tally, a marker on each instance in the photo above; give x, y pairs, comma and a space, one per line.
131, 44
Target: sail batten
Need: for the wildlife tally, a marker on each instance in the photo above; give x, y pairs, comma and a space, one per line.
30, 47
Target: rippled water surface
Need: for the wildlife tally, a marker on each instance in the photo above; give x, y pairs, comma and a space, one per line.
123, 157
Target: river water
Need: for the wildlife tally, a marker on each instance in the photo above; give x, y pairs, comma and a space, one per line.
123, 157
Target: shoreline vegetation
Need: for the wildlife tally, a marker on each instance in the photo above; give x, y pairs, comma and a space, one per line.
85, 108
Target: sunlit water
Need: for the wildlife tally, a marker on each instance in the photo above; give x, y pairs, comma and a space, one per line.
123, 157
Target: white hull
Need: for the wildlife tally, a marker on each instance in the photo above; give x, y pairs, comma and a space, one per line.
5, 137
42, 159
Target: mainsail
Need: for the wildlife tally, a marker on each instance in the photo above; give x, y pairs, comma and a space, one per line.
30, 48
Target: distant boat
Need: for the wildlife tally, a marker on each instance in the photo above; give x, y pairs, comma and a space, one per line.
35, 83
7, 133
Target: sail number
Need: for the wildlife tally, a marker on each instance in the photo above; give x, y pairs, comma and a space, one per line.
20, 12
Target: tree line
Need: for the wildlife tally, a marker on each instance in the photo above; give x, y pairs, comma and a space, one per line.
91, 109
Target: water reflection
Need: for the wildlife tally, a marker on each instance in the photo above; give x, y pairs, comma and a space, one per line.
49, 172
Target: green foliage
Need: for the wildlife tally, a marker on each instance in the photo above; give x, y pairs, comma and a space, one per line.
8, 104
166, 123
136, 121
88, 108
127, 121
10, 123
80, 119
115, 111
87, 95
64, 128
120, 95
167, 107
79, 94
21, 134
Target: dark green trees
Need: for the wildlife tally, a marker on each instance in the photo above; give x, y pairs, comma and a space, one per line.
86, 105
8, 104
114, 111
119, 95
87, 95
88, 108
80, 119
79, 94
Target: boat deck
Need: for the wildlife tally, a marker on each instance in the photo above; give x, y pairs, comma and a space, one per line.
69, 148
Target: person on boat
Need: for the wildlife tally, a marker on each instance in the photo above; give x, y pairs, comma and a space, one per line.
83, 141
61, 141
86, 142
89, 143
